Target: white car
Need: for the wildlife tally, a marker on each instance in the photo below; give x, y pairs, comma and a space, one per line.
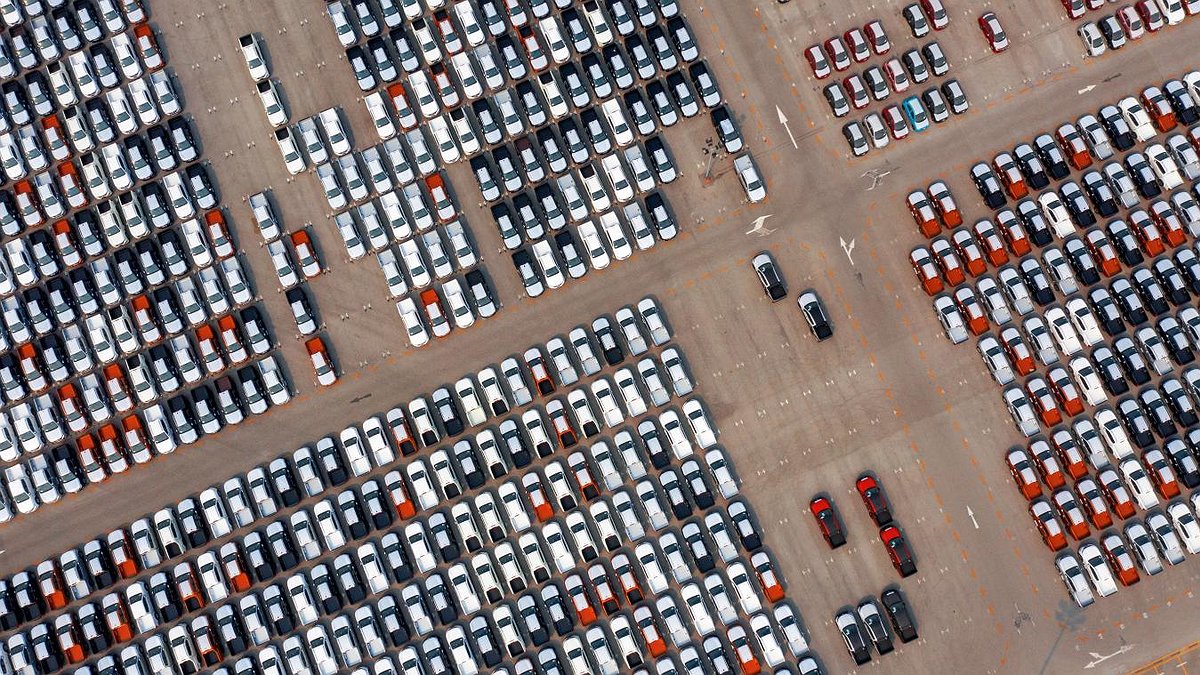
252, 51
456, 302
377, 108
292, 159
701, 427
1056, 213
1136, 117
1139, 483
1064, 334
1186, 526
1164, 166
752, 183
272, 102
331, 122
548, 263
1097, 569
334, 195
1073, 579
617, 239
418, 335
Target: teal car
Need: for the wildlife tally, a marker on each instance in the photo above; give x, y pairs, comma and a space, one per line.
915, 112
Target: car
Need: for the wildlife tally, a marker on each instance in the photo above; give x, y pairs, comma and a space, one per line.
814, 314
818, 61
898, 550
993, 32
988, 185
923, 213
756, 190
768, 276
874, 499
828, 521
317, 352
852, 635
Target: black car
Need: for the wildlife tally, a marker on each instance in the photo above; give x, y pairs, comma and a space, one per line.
1031, 167
1183, 461
1128, 302
1186, 109
1052, 155
1150, 291
1101, 194
898, 611
814, 314
726, 128
1033, 220
1132, 361
1118, 129
561, 617
856, 645
1136, 423
1077, 205
333, 465
1172, 281
1110, 373
258, 558
352, 515
1143, 176
660, 216
1188, 265
1035, 279
1160, 418
613, 354
481, 292
768, 276
1181, 405
1125, 243
284, 482
988, 185
468, 464
1177, 343
1081, 261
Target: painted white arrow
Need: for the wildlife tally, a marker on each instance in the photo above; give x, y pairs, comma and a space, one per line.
848, 248
760, 227
1097, 659
1086, 89
784, 121
971, 515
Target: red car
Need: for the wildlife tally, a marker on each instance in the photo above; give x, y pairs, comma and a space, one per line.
923, 213
67, 244
398, 492
435, 312
71, 186
50, 584
857, 42
993, 32
27, 204
817, 61
767, 577
1010, 176
947, 260
1065, 392
1013, 232
1075, 8
993, 244
537, 497
1047, 464
1023, 474
1149, 238
1068, 452
898, 550
968, 250
66, 631
837, 52
577, 591
1092, 499
740, 642
1168, 223
878, 37
856, 91
121, 552
1071, 514
135, 439
1074, 147
1047, 525
218, 233
972, 311
643, 616
828, 521
1159, 109
318, 353
1017, 351
944, 202
1043, 401
147, 47
1119, 559
1151, 17
936, 12
404, 112
926, 271
116, 618
1161, 474
896, 122
537, 368
1104, 253
1116, 493
874, 499
442, 204
231, 339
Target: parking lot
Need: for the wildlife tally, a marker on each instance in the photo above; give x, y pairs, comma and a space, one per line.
886, 394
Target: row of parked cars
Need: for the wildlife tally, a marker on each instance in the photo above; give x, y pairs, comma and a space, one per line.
331, 586
128, 313
1129, 23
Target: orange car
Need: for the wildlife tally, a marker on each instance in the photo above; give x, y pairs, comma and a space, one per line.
89, 458
116, 618
643, 616
218, 233
50, 583
767, 578
1068, 509
1023, 474
405, 508
52, 129
121, 553
537, 497
944, 202
234, 567
231, 340
1010, 175
71, 185
1119, 559
136, 440
117, 387
404, 110
923, 213
27, 204
1093, 503
322, 365
187, 586
210, 352
67, 634
67, 244
143, 319
1074, 147
442, 203
147, 47
577, 591
111, 450
1159, 109
926, 271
